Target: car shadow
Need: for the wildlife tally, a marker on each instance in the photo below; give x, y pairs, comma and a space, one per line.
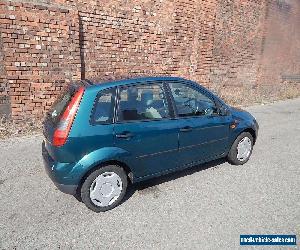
151, 184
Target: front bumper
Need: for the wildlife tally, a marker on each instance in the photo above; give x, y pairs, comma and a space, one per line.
52, 169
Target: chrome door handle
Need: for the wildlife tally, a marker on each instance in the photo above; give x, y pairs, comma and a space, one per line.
186, 129
124, 135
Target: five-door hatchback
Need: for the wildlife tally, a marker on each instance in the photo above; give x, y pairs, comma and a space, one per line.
100, 137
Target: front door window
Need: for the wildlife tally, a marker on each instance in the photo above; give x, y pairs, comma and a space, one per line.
191, 102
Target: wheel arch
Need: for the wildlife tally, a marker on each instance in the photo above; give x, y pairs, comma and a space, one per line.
103, 164
252, 132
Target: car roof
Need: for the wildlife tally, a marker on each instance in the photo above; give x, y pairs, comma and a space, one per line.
108, 84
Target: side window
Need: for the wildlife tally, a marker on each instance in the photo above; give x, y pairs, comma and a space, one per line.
142, 102
103, 110
191, 102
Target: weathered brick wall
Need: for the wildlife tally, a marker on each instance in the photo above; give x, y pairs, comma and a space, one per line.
256, 50
232, 46
238, 36
280, 61
4, 88
41, 51
151, 38
117, 39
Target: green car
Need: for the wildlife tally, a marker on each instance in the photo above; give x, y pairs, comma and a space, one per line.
101, 137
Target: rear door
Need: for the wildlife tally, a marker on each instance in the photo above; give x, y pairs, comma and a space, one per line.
203, 134
145, 128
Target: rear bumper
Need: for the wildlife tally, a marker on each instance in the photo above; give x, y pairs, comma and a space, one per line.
67, 189
57, 173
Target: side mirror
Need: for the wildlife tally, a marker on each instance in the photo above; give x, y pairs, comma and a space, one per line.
177, 92
224, 111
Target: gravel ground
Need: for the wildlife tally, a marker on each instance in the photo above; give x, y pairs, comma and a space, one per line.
206, 207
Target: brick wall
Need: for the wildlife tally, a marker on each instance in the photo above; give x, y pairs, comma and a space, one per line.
226, 45
256, 50
156, 38
4, 88
280, 61
238, 36
41, 54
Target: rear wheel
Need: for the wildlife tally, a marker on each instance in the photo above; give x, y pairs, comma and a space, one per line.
104, 188
241, 149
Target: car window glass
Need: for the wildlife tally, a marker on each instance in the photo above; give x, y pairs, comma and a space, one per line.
142, 102
191, 102
103, 112
60, 105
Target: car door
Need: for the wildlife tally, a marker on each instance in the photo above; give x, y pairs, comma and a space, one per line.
204, 133
145, 128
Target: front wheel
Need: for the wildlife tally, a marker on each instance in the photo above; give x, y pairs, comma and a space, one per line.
241, 149
104, 188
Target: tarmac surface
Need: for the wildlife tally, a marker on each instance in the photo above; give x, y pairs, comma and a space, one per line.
205, 207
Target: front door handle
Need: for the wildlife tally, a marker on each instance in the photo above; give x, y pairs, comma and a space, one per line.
186, 129
124, 135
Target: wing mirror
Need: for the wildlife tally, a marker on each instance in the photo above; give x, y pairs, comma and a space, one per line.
224, 111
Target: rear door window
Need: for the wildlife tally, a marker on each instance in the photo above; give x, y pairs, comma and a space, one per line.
142, 102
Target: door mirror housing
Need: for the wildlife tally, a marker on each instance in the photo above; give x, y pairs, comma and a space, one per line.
224, 111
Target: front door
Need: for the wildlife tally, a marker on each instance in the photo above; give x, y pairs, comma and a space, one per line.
204, 133
144, 129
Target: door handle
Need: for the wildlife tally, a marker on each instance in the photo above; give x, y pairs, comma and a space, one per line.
186, 129
124, 135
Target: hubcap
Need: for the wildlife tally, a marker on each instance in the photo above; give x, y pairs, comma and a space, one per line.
106, 189
244, 149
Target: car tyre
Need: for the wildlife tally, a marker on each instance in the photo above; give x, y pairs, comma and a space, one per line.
104, 188
241, 149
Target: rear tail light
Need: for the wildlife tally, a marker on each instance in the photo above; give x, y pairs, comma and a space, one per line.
65, 123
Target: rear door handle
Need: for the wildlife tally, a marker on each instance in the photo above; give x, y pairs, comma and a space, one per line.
186, 129
124, 135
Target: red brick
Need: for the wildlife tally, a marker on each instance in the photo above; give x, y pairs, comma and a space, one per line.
217, 43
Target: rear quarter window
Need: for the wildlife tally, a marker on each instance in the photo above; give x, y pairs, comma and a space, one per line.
103, 111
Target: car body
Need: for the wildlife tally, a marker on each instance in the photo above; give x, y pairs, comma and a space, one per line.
146, 126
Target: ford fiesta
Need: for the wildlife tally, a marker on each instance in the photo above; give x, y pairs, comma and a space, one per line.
101, 137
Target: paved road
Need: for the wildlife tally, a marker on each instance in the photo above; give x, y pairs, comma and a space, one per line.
207, 207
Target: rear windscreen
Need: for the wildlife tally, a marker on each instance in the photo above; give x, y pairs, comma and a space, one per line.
60, 105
